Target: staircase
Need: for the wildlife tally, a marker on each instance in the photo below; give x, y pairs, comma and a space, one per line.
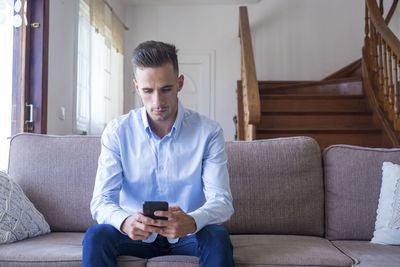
357, 105
331, 112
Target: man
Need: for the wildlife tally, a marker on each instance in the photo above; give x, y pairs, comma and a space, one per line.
161, 151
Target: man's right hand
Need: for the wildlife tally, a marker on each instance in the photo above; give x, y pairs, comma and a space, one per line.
139, 227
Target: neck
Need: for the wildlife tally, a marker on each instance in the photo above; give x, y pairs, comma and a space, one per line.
162, 128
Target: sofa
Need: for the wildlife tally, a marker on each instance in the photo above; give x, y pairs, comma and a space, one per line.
293, 205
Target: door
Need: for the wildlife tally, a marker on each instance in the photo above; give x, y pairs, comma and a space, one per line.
198, 91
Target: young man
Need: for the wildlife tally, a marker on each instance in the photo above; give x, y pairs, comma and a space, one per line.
161, 151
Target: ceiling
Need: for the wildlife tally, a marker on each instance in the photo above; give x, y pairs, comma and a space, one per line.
188, 2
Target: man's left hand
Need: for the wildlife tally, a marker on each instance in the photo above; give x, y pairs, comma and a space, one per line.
178, 225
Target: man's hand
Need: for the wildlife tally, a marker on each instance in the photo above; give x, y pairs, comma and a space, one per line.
178, 225
139, 227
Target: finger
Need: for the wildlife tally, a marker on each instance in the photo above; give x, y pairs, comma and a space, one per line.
145, 219
162, 223
148, 228
139, 232
139, 236
169, 233
162, 213
175, 208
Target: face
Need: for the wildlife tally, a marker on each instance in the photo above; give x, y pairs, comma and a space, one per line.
158, 87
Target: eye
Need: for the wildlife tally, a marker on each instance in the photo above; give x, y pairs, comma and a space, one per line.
147, 90
167, 89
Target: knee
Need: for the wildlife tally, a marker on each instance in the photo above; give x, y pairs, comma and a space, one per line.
99, 234
214, 233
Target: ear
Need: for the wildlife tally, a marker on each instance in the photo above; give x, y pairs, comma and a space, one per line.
136, 86
181, 80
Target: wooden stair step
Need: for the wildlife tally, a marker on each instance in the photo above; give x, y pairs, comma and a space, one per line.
318, 120
327, 137
271, 84
279, 84
309, 103
320, 88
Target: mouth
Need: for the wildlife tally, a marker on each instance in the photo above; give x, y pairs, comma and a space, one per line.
159, 110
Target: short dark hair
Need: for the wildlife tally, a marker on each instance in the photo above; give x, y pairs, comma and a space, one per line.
151, 54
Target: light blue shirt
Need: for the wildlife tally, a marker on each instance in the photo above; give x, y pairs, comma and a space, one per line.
187, 168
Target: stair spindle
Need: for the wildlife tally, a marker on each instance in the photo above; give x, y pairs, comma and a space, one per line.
396, 67
366, 29
385, 77
375, 65
373, 52
390, 85
380, 83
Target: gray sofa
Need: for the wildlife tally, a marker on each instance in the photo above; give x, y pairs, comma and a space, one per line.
293, 207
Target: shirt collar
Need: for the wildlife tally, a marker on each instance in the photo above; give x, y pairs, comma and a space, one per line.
175, 128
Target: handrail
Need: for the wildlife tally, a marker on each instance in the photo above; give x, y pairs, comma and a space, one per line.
382, 28
349, 69
249, 87
381, 56
391, 11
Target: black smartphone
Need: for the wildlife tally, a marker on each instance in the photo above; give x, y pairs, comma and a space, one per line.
149, 207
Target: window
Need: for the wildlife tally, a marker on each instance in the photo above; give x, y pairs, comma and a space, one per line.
99, 86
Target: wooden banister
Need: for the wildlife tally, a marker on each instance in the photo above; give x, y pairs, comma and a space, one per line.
381, 56
249, 106
391, 11
381, 27
349, 70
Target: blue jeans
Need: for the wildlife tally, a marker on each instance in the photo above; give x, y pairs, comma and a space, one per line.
103, 243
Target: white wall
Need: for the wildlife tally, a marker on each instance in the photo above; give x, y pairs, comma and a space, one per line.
63, 20
61, 65
292, 39
394, 23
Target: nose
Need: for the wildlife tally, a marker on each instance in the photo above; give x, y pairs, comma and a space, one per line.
157, 98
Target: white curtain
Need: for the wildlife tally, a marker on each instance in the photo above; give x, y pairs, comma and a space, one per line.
98, 81
102, 99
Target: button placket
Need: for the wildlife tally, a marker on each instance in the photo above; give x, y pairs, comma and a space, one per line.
160, 176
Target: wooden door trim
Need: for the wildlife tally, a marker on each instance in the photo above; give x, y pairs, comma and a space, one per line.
30, 69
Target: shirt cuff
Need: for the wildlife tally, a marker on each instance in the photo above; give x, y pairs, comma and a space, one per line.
117, 218
200, 217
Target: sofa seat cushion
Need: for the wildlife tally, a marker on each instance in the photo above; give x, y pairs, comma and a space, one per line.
54, 249
173, 261
286, 250
368, 254
271, 250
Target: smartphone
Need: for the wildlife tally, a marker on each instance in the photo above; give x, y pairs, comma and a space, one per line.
149, 207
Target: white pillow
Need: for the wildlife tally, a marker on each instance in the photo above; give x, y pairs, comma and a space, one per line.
387, 225
19, 219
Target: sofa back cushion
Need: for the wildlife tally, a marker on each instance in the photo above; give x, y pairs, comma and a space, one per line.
57, 174
353, 177
277, 186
